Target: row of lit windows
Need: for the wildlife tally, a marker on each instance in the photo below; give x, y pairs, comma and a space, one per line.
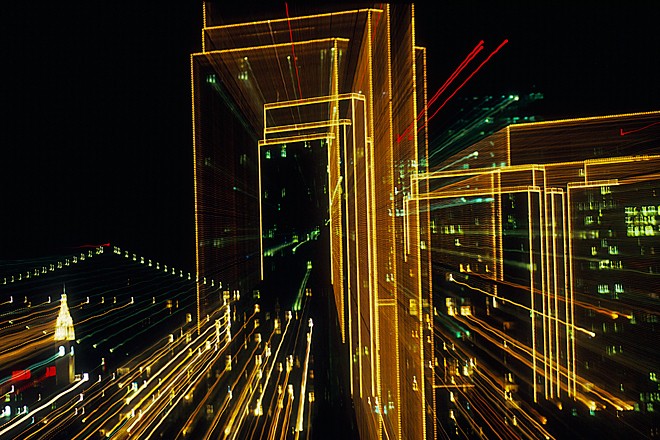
649, 397
449, 229
649, 210
597, 204
614, 327
650, 318
612, 250
614, 349
605, 288
641, 220
649, 407
641, 231
282, 152
283, 193
592, 234
606, 264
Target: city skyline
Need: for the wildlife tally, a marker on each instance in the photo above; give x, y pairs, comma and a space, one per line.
88, 159
386, 221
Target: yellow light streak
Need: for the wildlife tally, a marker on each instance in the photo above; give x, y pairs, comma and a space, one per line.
300, 138
292, 19
19, 420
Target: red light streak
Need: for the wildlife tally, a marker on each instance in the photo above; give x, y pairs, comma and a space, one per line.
18, 375
466, 80
93, 245
50, 372
623, 133
478, 48
293, 52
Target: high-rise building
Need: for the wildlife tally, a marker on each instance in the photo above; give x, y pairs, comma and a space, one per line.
536, 242
544, 240
352, 83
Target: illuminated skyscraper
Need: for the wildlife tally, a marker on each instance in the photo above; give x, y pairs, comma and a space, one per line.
544, 240
352, 83
518, 237
64, 333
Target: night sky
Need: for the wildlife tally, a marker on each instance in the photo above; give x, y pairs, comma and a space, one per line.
96, 129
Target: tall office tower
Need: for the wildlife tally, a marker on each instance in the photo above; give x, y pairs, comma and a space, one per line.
544, 240
350, 84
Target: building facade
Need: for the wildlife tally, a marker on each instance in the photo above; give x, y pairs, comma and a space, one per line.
544, 256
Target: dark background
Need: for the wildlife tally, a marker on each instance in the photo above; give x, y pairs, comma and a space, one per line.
95, 133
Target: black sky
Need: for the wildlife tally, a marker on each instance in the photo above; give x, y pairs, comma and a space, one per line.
95, 137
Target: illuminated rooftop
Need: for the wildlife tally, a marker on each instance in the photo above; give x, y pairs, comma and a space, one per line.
64, 325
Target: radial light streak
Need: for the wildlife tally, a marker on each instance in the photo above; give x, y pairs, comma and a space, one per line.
478, 48
464, 82
7, 427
